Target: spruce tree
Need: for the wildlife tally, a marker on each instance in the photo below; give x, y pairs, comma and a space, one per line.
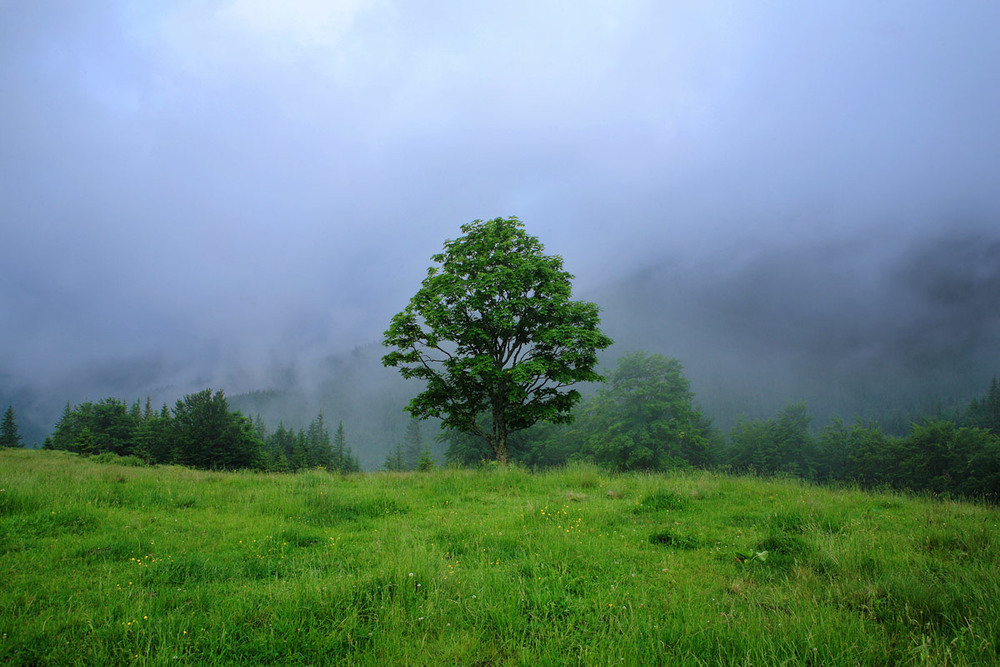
340, 447
426, 462
9, 435
318, 438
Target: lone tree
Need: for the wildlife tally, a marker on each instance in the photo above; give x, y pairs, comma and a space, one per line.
496, 336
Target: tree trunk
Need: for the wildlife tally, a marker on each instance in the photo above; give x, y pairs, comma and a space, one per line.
499, 432
500, 448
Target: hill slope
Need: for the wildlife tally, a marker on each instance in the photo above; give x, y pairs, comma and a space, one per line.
106, 564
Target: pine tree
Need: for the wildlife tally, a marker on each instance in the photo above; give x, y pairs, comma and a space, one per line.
281, 446
65, 432
135, 413
318, 438
260, 426
85, 442
426, 462
340, 451
350, 462
299, 460
9, 435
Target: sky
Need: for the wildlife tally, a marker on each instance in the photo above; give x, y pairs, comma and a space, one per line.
209, 193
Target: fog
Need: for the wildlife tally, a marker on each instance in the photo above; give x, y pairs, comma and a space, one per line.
238, 194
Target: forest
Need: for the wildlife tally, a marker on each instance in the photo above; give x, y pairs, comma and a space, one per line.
200, 432
643, 417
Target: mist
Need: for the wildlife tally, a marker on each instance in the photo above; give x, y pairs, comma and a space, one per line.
798, 202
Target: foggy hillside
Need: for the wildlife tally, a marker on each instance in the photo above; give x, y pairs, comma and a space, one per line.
860, 328
864, 328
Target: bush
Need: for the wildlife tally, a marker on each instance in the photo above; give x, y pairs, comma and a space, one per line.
114, 459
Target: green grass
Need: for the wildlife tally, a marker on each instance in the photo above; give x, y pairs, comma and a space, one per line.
109, 564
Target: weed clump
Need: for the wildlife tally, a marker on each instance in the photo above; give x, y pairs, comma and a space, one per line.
661, 501
667, 538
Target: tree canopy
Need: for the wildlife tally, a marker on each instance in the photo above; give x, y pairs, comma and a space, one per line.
644, 420
494, 333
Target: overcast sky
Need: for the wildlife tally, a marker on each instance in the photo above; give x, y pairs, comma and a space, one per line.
204, 191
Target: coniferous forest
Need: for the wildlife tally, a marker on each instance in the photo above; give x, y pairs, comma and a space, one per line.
200, 432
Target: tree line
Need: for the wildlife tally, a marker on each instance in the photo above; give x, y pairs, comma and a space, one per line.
643, 419
200, 432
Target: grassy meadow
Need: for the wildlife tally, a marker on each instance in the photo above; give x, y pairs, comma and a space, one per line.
108, 564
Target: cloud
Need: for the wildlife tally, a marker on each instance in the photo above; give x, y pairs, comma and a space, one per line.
223, 189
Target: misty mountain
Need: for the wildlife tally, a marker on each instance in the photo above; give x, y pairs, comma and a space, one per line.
859, 328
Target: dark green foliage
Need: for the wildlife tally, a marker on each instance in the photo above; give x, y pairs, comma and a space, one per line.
286, 450
95, 428
426, 461
937, 455
643, 418
201, 432
343, 458
776, 445
317, 443
208, 435
9, 434
114, 459
493, 330
280, 448
155, 437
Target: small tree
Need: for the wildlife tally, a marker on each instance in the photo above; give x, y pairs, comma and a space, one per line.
426, 462
344, 459
493, 330
10, 436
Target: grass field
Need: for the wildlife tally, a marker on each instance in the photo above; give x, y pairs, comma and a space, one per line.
107, 564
